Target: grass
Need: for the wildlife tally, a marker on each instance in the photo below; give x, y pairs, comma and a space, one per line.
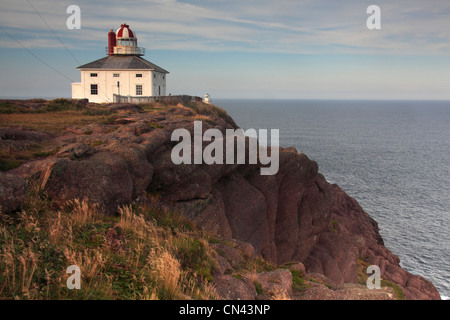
55, 105
54, 118
50, 122
153, 106
399, 295
131, 255
11, 157
334, 227
8, 108
154, 125
298, 280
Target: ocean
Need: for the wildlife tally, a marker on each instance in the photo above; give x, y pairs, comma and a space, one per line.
393, 157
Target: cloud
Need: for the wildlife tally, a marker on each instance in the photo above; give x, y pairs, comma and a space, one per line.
290, 26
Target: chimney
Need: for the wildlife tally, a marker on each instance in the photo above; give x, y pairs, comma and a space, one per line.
111, 42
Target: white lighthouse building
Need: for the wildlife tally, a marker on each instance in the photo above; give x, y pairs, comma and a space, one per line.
123, 72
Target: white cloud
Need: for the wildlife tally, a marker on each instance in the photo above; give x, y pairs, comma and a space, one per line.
327, 26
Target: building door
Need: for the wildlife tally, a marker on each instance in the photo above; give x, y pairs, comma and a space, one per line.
116, 89
159, 90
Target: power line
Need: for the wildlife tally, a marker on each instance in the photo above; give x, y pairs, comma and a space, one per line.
34, 55
54, 33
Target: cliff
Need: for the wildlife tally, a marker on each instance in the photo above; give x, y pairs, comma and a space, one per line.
295, 220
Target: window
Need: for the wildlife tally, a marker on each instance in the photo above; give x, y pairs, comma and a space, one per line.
116, 75
93, 75
94, 89
139, 89
138, 75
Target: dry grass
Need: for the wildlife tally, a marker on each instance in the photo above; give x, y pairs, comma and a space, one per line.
129, 256
51, 122
279, 294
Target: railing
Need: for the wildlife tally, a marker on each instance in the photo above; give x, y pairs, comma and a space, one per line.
123, 50
163, 99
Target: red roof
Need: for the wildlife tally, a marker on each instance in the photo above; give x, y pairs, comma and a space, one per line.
124, 32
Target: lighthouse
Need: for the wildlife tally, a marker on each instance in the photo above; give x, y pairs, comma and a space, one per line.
122, 72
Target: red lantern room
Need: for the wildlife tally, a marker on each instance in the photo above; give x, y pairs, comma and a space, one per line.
123, 42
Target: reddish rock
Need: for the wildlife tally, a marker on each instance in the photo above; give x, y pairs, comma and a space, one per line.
230, 288
19, 133
246, 211
275, 284
12, 192
103, 179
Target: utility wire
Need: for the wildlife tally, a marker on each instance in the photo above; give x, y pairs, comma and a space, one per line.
34, 55
54, 33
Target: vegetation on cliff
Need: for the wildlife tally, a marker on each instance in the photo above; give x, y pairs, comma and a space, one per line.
139, 253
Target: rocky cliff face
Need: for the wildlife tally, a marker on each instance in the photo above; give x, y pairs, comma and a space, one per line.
295, 215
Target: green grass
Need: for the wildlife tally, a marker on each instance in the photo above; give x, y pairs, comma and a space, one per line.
96, 143
298, 281
258, 287
6, 164
399, 295
334, 227
154, 125
8, 108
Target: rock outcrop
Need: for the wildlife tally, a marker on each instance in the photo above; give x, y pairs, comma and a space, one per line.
12, 192
295, 215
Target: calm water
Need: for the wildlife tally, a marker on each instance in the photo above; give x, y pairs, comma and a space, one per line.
393, 157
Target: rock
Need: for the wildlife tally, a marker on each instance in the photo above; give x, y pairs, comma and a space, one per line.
239, 196
75, 150
223, 266
230, 288
246, 249
19, 133
103, 179
141, 171
124, 107
230, 254
208, 214
275, 284
12, 192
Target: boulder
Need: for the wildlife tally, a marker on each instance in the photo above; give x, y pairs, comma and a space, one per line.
12, 192
103, 178
275, 284
231, 288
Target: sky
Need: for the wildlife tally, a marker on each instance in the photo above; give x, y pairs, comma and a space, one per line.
284, 49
